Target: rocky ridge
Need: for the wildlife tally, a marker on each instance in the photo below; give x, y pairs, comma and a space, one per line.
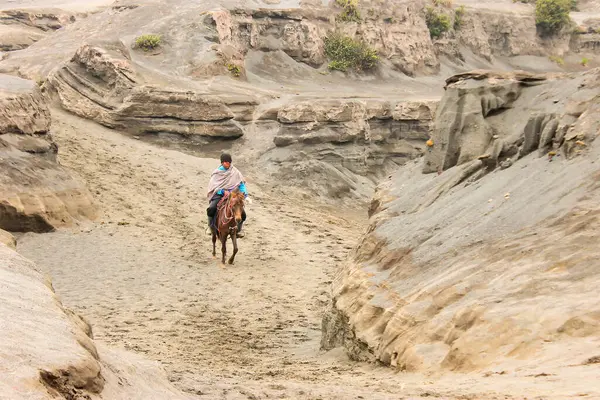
472, 124
472, 287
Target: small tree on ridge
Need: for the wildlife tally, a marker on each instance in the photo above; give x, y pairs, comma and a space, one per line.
552, 15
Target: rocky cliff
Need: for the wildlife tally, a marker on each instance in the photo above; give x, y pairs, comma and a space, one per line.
490, 264
340, 148
37, 193
201, 40
228, 72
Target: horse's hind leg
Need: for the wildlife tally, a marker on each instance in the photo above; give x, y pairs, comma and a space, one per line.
235, 247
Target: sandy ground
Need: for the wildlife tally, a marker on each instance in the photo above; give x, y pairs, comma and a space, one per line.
144, 277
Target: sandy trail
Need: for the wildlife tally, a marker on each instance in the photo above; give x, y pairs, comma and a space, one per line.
144, 277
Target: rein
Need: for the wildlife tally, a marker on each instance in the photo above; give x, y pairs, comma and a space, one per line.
228, 207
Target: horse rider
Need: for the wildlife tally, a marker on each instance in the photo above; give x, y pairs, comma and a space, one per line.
226, 178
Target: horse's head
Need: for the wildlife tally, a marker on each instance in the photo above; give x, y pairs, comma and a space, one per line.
237, 205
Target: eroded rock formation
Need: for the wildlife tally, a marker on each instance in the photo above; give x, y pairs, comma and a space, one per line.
462, 270
103, 84
20, 28
491, 33
215, 71
67, 364
363, 121
476, 119
340, 148
36, 193
397, 30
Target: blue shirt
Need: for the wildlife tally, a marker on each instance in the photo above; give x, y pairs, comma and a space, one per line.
242, 185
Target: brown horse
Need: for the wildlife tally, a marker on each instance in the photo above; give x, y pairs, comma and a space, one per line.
229, 215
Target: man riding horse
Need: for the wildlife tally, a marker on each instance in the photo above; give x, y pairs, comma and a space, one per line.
226, 178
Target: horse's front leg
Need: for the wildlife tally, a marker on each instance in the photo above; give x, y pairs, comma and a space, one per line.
214, 242
223, 247
235, 247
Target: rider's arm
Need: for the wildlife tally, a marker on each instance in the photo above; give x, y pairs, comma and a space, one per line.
243, 189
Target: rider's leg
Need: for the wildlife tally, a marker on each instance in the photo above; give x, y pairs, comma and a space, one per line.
211, 211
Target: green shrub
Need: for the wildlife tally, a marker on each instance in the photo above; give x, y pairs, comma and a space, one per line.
458, 17
437, 23
147, 42
552, 15
351, 13
558, 60
346, 53
339, 65
234, 69
443, 3
585, 61
572, 2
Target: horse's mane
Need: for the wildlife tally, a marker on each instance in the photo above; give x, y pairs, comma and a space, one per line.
237, 193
